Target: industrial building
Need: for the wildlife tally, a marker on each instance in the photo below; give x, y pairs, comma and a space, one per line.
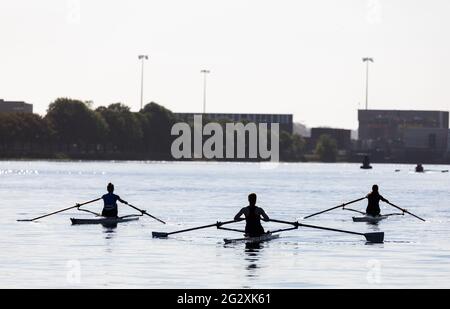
15, 107
406, 135
341, 136
284, 120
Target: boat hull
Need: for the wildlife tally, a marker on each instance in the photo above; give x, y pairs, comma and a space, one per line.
369, 219
252, 240
105, 221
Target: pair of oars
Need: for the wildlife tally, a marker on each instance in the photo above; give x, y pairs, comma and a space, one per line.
144, 212
376, 237
357, 200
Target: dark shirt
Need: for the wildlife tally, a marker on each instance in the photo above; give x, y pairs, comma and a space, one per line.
373, 206
110, 201
253, 214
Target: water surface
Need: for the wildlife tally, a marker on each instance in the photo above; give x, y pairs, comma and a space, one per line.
52, 253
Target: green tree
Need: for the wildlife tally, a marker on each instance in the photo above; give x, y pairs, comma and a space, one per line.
9, 129
125, 130
157, 123
292, 147
75, 123
25, 129
326, 148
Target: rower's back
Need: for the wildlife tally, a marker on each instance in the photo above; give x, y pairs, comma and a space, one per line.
253, 227
110, 202
253, 214
373, 205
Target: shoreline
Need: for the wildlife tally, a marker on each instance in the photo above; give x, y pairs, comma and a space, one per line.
74, 160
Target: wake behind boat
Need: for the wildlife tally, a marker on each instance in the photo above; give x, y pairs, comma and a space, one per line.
104, 220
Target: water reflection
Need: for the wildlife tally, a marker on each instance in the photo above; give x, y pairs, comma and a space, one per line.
252, 257
373, 227
109, 230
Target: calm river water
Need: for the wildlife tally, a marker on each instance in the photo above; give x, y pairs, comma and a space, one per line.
52, 253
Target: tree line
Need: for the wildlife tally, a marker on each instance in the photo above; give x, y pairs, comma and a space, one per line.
72, 129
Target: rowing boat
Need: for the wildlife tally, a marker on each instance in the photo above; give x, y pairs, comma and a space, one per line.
369, 219
251, 240
364, 167
103, 220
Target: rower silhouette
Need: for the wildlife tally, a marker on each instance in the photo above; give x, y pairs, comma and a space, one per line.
253, 215
366, 163
419, 168
374, 198
110, 202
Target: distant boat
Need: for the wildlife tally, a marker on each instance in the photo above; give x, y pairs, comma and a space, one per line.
419, 168
366, 163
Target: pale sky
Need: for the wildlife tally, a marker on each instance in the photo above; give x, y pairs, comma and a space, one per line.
280, 56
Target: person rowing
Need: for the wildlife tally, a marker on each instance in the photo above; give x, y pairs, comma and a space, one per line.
110, 202
419, 168
374, 198
253, 215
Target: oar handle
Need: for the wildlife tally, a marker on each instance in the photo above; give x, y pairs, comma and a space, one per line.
283, 230
354, 210
217, 224
146, 213
404, 210
62, 210
232, 230
332, 208
284, 222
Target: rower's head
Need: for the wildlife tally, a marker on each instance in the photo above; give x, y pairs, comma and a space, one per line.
375, 188
252, 199
110, 188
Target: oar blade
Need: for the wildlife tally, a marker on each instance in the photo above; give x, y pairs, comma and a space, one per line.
24, 220
160, 235
376, 237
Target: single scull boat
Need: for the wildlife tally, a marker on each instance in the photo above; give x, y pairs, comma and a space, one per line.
251, 240
369, 219
103, 220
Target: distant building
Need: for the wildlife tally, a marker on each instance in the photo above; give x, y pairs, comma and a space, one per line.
448, 144
404, 134
342, 137
284, 120
15, 107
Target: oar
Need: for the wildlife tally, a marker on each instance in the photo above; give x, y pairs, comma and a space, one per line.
283, 230
377, 237
343, 205
62, 210
146, 213
232, 230
354, 210
217, 224
405, 211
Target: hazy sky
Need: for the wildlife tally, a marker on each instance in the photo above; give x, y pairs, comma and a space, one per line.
300, 57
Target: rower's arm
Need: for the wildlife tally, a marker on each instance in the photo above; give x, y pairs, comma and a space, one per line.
264, 215
239, 214
122, 201
383, 199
